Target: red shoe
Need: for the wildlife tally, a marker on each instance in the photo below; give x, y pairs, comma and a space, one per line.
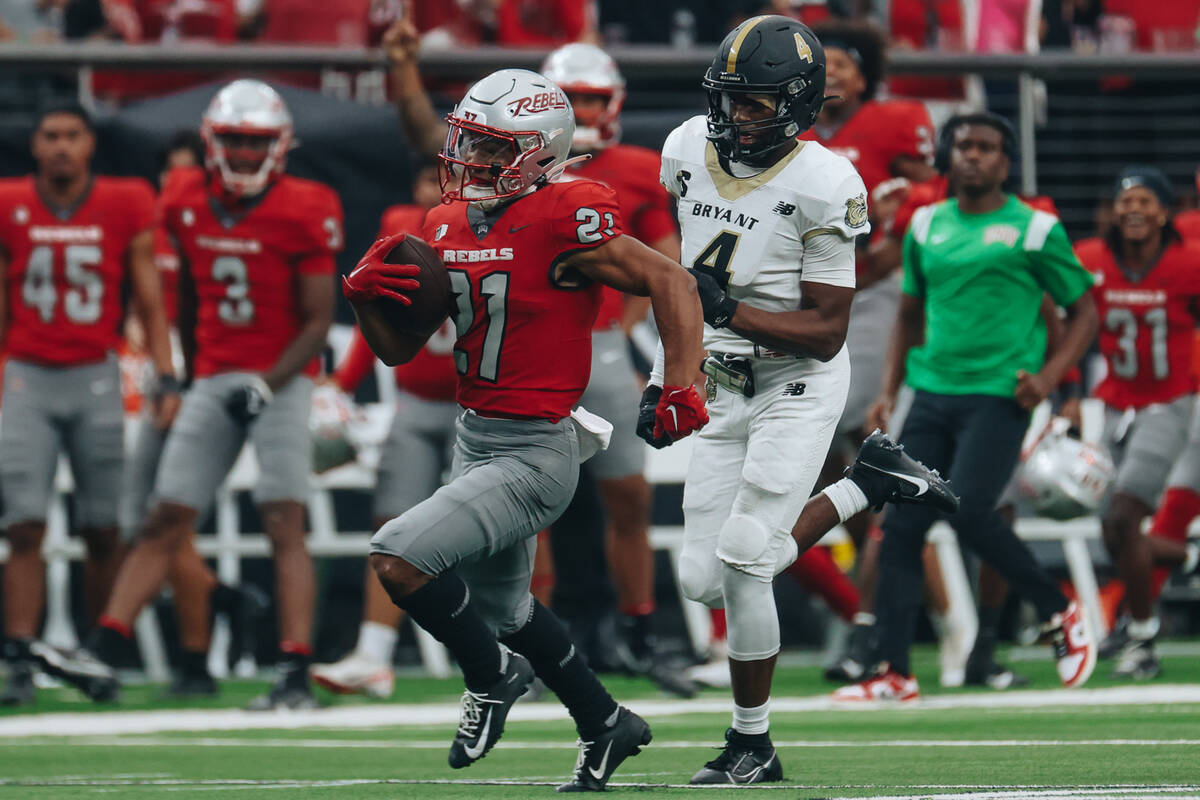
1074, 646
885, 685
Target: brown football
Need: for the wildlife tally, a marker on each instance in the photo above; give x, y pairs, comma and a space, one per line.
432, 302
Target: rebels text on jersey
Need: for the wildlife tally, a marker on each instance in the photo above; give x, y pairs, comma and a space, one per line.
631, 172
751, 234
66, 267
245, 266
523, 320
879, 133
1146, 326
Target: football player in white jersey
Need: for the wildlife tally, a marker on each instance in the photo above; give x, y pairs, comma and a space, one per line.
769, 227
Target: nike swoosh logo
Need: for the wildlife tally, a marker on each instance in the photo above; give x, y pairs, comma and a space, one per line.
598, 772
921, 484
514, 229
481, 743
674, 417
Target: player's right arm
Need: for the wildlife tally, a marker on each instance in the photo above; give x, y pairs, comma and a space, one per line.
425, 131
373, 280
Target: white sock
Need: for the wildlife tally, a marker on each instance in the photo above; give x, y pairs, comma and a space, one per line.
752, 720
846, 497
377, 642
1143, 629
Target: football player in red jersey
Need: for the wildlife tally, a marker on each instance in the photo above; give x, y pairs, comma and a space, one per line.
1147, 290
68, 241
257, 253
527, 252
412, 460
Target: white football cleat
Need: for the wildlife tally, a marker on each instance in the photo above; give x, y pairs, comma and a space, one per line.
355, 674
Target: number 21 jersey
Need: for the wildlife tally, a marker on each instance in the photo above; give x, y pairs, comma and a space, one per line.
523, 320
245, 264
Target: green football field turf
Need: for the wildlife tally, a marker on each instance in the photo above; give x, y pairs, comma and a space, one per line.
978, 744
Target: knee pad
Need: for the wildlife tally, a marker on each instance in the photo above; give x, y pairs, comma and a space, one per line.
747, 543
751, 616
699, 580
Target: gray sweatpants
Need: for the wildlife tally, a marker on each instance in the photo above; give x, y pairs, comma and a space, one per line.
511, 479
77, 410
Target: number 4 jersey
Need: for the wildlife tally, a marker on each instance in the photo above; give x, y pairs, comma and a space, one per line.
66, 267
523, 320
751, 233
245, 264
1146, 326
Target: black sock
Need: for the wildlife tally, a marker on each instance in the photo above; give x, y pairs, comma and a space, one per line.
194, 663
293, 670
443, 608
544, 641
17, 651
106, 644
639, 634
989, 632
222, 599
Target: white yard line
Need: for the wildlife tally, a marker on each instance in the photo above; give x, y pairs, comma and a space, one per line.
372, 716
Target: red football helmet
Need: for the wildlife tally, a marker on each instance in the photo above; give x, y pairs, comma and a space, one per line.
247, 131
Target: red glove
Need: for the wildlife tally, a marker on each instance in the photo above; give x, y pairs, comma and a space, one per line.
680, 411
373, 279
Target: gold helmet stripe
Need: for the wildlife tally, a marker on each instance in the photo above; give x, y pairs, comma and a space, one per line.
747, 26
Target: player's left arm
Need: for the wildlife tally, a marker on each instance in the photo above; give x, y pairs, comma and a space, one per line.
816, 330
629, 266
146, 287
314, 308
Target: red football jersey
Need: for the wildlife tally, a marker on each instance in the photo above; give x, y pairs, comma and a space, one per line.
524, 324
245, 266
632, 172
1188, 225
1147, 326
66, 267
877, 134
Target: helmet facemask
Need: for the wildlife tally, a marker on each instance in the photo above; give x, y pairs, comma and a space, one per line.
485, 165
245, 159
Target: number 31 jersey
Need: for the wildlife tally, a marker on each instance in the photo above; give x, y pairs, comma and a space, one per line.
65, 268
245, 265
523, 320
750, 233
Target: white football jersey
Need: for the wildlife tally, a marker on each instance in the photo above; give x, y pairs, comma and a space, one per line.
756, 228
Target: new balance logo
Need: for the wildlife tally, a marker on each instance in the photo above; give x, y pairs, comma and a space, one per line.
793, 389
784, 209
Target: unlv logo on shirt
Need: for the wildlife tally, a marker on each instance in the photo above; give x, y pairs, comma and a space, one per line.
535, 104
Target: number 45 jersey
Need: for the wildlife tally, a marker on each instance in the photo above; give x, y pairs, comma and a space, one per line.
245, 264
523, 320
750, 233
66, 267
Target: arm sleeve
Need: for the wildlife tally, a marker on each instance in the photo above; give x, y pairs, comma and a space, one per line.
1053, 261
658, 370
323, 231
358, 362
828, 258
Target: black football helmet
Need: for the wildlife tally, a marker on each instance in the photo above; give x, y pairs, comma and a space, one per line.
770, 55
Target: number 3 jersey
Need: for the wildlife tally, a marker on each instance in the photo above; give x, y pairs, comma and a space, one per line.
245, 264
524, 320
66, 267
751, 234
1146, 326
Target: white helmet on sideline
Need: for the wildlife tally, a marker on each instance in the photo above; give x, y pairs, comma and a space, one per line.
511, 132
246, 108
1063, 477
580, 68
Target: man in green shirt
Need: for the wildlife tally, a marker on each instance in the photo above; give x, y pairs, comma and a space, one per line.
971, 342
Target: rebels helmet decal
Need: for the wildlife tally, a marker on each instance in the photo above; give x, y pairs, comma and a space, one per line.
535, 104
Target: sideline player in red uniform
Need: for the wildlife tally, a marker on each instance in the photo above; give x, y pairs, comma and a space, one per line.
412, 460
257, 248
1147, 290
526, 252
68, 241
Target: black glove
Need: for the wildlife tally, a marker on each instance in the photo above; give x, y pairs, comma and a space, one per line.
247, 401
718, 307
645, 420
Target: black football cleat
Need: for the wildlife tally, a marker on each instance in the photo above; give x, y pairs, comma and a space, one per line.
482, 714
192, 687
886, 474
745, 759
600, 757
18, 690
80, 668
